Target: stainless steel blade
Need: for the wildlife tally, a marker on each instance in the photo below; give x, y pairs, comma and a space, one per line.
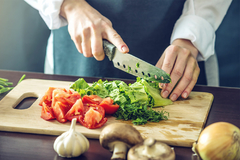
134, 65
139, 68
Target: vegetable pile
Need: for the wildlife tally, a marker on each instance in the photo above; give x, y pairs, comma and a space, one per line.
90, 103
135, 100
65, 104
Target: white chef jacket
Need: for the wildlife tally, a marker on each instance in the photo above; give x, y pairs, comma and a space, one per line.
198, 23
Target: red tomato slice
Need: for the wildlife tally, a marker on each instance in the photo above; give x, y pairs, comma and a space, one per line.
76, 110
88, 99
47, 98
62, 102
73, 97
96, 98
47, 112
94, 117
66, 97
59, 112
109, 107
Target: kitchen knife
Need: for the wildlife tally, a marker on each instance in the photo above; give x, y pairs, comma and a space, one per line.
134, 65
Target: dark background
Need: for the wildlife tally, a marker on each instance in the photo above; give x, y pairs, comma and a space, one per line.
24, 35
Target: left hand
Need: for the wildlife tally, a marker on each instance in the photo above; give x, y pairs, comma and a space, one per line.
179, 60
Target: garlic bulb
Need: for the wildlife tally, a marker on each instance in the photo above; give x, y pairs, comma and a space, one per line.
71, 143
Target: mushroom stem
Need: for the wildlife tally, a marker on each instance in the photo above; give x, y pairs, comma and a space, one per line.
119, 151
149, 147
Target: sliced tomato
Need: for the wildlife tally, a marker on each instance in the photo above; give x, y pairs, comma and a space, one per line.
66, 97
47, 112
59, 112
96, 98
98, 125
73, 97
94, 116
109, 107
63, 104
47, 98
76, 110
88, 99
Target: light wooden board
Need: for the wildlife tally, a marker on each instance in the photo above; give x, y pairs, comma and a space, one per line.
186, 117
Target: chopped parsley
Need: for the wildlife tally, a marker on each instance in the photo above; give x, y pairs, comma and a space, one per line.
129, 69
137, 65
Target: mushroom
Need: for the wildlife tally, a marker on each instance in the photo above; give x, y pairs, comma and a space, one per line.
118, 138
150, 149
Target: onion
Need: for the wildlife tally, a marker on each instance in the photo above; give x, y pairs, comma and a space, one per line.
218, 141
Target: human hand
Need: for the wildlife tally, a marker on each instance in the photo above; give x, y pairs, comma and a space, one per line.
179, 60
87, 28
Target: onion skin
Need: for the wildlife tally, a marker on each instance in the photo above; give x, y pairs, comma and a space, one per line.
219, 141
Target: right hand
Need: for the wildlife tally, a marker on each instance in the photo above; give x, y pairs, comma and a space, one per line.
87, 28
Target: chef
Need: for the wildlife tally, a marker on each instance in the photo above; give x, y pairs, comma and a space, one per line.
177, 36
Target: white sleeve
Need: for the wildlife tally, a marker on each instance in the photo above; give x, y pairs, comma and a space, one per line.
50, 12
198, 23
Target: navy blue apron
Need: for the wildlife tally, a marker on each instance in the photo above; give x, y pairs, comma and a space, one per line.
144, 25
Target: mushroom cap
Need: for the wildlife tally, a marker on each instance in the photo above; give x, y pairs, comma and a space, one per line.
156, 150
120, 132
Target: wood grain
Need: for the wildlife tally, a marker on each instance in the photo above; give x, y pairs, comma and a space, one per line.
186, 117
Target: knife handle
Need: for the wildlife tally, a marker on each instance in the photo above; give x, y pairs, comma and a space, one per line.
109, 49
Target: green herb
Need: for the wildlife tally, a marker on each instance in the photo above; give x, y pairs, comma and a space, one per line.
3, 79
129, 69
135, 100
5, 89
4, 84
20, 80
137, 65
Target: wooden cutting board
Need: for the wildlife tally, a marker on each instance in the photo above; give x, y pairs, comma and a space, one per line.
186, 117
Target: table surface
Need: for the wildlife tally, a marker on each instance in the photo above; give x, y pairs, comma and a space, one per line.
23, 146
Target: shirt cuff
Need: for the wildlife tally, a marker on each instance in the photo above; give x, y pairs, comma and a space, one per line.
50, 12
199, 32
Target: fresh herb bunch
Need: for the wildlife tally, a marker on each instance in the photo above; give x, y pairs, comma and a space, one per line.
135, 100
6, 86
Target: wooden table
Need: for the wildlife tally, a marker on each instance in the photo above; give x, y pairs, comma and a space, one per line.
22, 146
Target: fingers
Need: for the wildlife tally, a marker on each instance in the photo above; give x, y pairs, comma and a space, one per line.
87, 28
183, 69
170, 58
185, 93
97, 47
89, 42
86, 44
116, 40
78, 43
187, 82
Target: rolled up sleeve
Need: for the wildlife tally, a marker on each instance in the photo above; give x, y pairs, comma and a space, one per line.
50, 12
198, 23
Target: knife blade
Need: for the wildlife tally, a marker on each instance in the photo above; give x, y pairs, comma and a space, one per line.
134, 65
